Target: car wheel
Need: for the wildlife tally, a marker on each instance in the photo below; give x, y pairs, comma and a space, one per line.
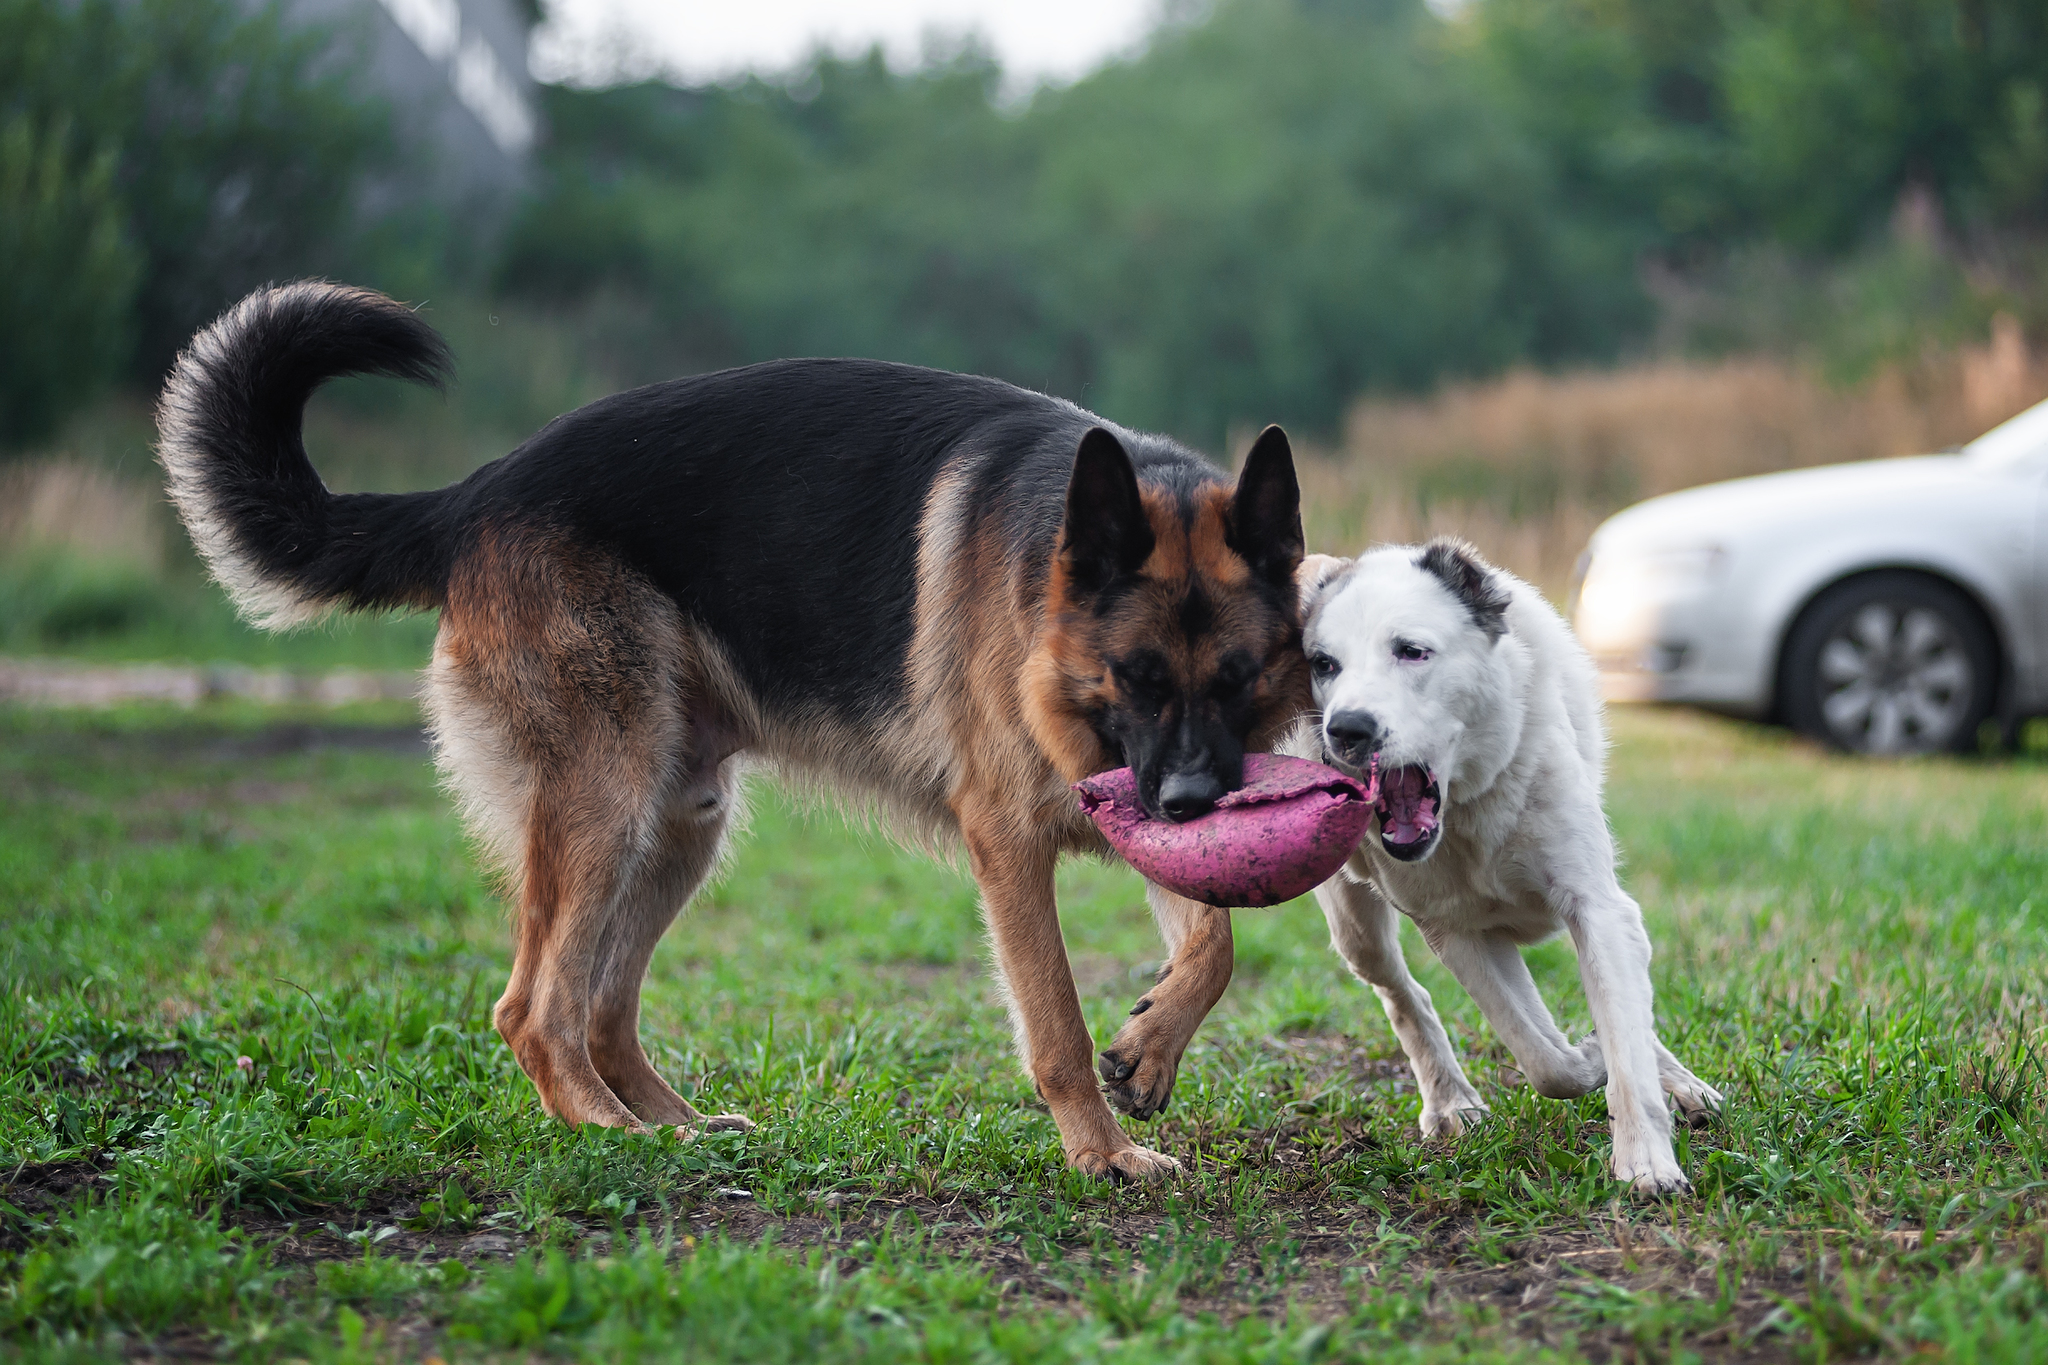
1891, 663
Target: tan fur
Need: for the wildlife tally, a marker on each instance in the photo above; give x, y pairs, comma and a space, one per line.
1145, 1058
1065, 674
586, 747
971, 664
595, 740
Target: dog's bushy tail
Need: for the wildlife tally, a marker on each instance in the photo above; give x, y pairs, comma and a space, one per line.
228, 434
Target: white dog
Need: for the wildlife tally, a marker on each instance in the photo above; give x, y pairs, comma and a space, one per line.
1480, 711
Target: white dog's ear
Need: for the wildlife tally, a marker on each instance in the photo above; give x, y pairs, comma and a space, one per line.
1471, 580
1316, 573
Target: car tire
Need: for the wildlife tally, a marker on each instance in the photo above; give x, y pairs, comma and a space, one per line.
1890, 663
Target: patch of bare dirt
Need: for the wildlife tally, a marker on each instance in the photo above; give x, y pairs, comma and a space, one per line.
39, 1190
1312, 1254
1535, 1286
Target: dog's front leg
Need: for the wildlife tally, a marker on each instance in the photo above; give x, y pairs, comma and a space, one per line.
1366, 935
1014, 863
1138, 1069
1489, 965
1614, 964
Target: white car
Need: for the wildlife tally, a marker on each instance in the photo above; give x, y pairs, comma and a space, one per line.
1886, 606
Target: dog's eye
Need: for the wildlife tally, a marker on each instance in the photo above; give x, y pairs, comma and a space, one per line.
1322, 667
1408, 652
1234, 677
1144, 680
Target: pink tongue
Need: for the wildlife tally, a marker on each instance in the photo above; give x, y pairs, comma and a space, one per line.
1406, 815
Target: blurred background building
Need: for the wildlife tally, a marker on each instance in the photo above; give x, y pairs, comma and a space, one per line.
455, 73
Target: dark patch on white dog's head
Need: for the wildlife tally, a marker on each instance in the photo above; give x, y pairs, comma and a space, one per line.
1471, 580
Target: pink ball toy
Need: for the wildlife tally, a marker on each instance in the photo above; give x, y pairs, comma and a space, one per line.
1284, 832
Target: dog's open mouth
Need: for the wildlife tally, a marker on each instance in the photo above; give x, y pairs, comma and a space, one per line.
1408, 806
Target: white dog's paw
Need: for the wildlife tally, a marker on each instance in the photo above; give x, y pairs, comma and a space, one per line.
1648, 1172
1450, 1123
1697, 1102
1451, 1113
1670, 1184
1570, 1073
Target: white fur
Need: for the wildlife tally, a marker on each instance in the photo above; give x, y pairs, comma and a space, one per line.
182, 446
1511, 728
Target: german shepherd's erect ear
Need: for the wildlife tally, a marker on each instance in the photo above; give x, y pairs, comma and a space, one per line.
1106, 534
1265, 516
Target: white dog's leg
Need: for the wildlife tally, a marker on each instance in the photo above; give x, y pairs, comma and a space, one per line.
1490, 967
1366, 935
1614, 964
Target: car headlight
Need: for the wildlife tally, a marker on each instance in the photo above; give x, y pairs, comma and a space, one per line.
1619, 594
1635, 572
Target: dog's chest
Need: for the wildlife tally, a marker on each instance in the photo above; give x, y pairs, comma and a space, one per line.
1457, 891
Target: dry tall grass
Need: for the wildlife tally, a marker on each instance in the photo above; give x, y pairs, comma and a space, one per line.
81, 509
1527, 465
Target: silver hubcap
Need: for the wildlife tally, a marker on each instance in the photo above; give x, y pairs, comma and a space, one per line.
1895, 678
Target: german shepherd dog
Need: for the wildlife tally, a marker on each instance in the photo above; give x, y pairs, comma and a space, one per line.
941, 596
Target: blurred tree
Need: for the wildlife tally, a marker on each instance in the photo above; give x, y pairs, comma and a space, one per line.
1839, 107
1270, 211
1288, 205
1799, 121
69, 280
853, 211
240, 142
1627, 95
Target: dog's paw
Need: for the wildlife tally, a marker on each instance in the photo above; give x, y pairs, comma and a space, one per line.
726, 1123
1670, 1184
1651, 1174
1137, 1165
1137, 1079
1454, 1119
1698, 1104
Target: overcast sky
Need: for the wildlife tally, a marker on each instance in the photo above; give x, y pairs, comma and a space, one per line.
593, 41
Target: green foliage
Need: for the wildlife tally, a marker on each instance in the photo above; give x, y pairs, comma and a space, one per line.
54, 602
1851, 949
70, 278
1280, 206
1287, 206
1276, 207
1268, 213
144, 1264
1836, 106
1798, 121
1825, 178
1888, 302
240, 142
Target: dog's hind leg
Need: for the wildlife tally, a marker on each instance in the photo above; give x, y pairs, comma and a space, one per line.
554, 693
688, 840
1366, 934
1138, 1068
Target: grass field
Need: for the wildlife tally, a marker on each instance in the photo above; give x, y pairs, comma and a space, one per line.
251, 1104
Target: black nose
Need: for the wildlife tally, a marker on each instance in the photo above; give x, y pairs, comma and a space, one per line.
1354, 732
1183, 796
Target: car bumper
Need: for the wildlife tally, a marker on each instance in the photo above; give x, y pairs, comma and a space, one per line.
1656, 642
1633, 678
